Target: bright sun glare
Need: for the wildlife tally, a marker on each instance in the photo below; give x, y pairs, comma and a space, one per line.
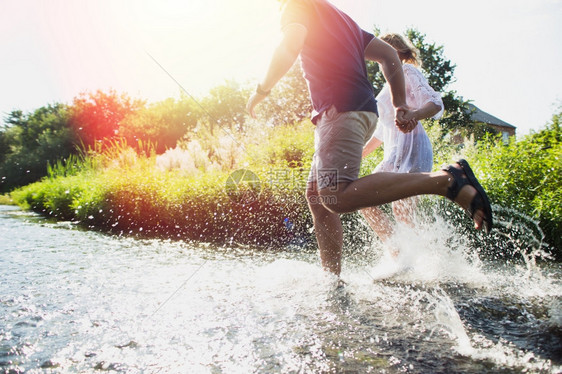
57, 49
200, 43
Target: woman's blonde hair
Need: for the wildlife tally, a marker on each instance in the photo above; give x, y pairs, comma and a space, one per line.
406, 50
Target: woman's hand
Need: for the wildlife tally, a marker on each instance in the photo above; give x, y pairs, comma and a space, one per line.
405, 119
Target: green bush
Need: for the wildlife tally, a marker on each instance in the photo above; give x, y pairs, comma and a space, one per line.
281, 146
6, 200
32, 141
526, 175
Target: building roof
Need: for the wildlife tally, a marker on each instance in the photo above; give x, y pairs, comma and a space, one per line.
478, 115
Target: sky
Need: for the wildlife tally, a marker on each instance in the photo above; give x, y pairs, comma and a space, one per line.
508, 53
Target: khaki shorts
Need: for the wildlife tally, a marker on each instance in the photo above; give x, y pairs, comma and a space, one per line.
338, 144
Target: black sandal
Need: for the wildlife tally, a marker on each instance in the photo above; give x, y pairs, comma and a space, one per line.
480, 200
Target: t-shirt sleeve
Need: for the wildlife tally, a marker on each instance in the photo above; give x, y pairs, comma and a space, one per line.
367, 37
296, 11
419, 92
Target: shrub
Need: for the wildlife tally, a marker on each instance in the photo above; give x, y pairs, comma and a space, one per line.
526, 175
281, 146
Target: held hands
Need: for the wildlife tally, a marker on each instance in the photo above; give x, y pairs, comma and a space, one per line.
405, 119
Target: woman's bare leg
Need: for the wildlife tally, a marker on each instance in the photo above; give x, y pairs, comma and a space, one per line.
404, 210
379, 222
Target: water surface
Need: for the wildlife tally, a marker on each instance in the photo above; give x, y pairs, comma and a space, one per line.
81, 301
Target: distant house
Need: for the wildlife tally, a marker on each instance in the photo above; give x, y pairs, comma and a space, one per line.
479, 116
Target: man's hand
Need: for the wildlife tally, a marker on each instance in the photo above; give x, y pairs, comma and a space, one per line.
254, 100
405, 119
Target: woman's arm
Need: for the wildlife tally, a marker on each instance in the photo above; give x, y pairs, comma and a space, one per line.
421, 95
426, 111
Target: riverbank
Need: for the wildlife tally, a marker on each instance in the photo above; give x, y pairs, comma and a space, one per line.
243, 206
6, 200
252, 192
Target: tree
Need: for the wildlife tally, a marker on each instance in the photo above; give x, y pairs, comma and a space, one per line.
439, 72
97, 116
289, 102
4, 146
226, 107
33, 140
162, 123
525, 175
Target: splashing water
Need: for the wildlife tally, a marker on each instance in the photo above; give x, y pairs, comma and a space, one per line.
458, 288
74, 301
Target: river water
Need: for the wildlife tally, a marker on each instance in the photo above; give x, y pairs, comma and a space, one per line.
80, 301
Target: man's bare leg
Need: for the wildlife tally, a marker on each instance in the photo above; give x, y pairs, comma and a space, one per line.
381, 188
372, 190
328, 230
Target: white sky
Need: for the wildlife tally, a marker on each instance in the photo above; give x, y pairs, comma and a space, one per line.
508, 53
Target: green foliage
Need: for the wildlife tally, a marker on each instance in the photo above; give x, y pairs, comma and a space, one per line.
370, 162
120, 191
6, 200
526, 175
283, 146
96, 117
72, 165
225, 107
289, 101
33, 140
145, 200
438, 70
456, 119
445, 147
163, 123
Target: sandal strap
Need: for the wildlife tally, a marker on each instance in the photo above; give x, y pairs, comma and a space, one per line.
458, 181
475, 204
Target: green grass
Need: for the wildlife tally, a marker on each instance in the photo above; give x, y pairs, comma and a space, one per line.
6, 200
142, 199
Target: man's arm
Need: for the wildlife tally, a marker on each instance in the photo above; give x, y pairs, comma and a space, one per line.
383, 53
282, 60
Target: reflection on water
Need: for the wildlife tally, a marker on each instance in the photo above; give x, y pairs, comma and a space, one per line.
76, 301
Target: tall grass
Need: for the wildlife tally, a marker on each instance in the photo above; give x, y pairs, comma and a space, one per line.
185, 193
124, 192
6, 200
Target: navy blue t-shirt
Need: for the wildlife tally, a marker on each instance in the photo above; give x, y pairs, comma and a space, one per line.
333, 58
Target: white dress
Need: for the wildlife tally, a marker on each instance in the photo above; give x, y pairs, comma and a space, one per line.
411, 152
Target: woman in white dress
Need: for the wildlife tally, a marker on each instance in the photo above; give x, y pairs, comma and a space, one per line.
403, 152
